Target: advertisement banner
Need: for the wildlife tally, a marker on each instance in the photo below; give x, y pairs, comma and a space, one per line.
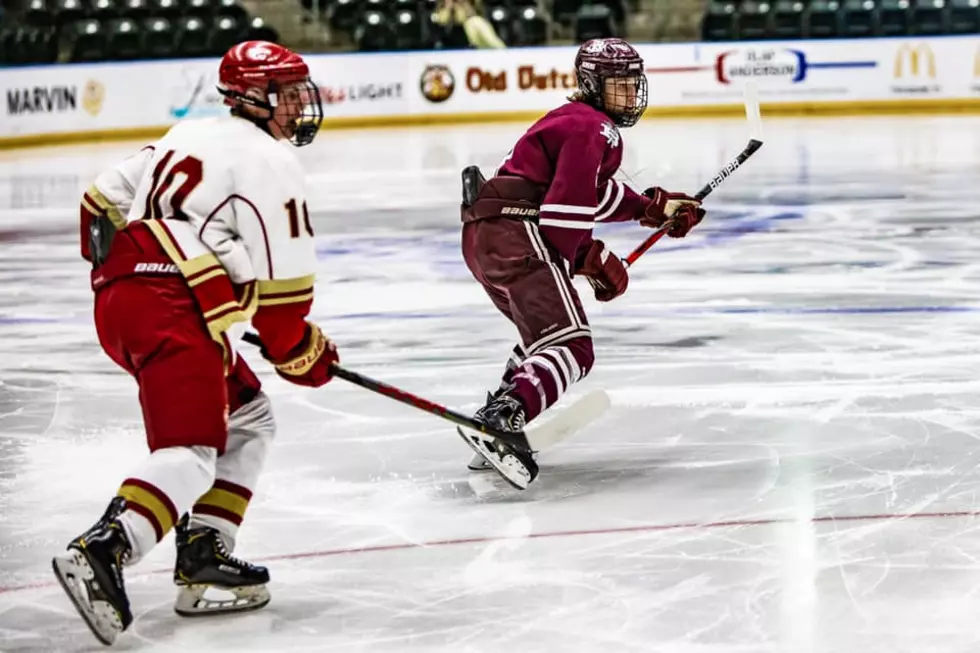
363, 89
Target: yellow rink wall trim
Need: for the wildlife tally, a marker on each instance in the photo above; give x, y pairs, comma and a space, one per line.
785, 109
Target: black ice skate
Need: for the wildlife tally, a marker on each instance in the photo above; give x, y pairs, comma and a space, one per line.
203, 562
516, 465
479, 463
91, 575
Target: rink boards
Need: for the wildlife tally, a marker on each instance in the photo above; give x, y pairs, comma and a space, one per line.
140, 99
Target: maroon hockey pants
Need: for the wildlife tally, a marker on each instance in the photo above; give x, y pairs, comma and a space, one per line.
527, 281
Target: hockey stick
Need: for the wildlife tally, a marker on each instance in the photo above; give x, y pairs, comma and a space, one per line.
580, 413
516, 439
754, 117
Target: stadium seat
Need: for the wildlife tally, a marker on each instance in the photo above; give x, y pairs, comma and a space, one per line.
858, 18
158, 38
67, 12
787, 19
565, 11
893, 18
374, 33
821, 19
259, 30
409, 30
929, 17
42, 45
964, 16
204, 10
232, 9
8, 38
530, 27
753, 20
37, 14
386, 7
15, 45
192, 38
225, 33
719, 21
168, 9
594, 22
105, 10
137, 10
88, 41
125, 40
342, 15
503, 23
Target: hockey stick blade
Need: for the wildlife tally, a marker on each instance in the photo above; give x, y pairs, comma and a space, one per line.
516, 439
569, 421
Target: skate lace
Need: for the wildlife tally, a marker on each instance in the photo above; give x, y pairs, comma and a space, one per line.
224, 553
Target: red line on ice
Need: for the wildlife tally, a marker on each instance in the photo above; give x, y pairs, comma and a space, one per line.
647, 528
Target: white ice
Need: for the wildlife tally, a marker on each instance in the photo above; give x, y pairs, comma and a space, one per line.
790, 462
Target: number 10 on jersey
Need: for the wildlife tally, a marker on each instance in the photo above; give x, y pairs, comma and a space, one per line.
294, 219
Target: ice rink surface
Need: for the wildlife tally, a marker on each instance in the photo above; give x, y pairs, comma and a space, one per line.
790, 463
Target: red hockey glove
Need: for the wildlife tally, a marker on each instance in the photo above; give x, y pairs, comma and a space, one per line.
605, 271
682, 210
309, 362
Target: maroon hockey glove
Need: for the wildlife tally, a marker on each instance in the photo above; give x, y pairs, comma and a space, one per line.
309, 362
605, 271
683, 211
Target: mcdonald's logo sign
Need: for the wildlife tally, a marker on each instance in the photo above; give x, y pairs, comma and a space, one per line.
919, 58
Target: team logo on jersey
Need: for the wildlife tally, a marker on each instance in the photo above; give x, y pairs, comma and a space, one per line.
92, 97
610, 133
437, 83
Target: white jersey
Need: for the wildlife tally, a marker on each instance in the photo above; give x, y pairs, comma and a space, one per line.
226, 185
227, 203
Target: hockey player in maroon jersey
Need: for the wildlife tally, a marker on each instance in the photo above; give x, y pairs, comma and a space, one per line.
211, 233
528, 230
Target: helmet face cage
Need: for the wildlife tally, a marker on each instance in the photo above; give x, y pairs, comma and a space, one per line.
612, 79
303, 113
622, 97
626, 99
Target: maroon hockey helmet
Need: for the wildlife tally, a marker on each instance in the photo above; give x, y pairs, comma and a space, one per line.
599, 60
275, 71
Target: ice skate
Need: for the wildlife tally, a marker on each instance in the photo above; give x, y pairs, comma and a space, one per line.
516, 465
91, 575
203, 562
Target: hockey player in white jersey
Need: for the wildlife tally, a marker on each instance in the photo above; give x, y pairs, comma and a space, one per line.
191, 239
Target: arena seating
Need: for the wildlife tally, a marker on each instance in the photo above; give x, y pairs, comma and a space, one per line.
744, 20
47, 31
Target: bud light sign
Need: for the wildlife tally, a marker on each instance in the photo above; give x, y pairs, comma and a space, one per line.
761, 64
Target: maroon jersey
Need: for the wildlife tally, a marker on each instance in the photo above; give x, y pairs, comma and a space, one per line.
574, 151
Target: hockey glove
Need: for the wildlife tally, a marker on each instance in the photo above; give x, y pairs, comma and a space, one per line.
309, 362
683, 211
605, 271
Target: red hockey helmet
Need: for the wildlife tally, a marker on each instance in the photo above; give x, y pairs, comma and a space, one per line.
275, 71
599, 60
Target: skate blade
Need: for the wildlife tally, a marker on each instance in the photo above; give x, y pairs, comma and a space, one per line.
509, 467
191, 601
479, 464
72, 572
